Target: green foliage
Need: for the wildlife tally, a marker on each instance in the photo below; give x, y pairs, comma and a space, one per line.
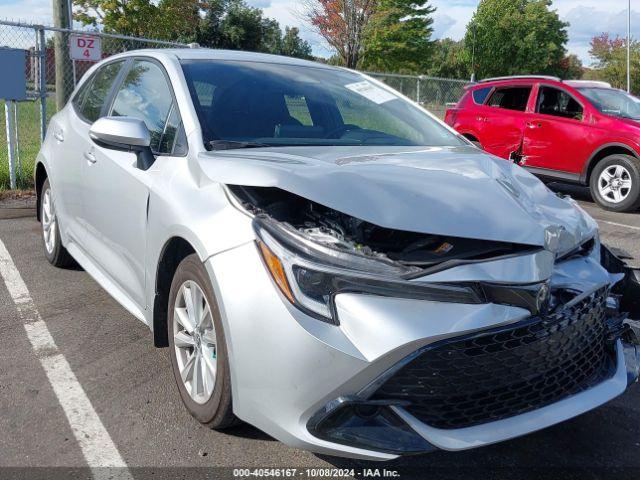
293, 45
398, 37
450, 60
572, 67
610, 55
127, 17
516, 37
230, 24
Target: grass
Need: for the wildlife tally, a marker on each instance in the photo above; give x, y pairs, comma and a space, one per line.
28, 141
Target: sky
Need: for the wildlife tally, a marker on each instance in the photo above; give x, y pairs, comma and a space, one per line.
587, 18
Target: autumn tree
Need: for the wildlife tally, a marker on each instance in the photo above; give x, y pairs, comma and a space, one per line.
398, 37
342, 23
610, 55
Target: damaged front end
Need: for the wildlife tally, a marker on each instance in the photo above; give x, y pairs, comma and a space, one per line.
570, 342
315, 253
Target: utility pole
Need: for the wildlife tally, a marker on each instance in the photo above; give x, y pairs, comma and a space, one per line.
629, 49
64, 69
473, 54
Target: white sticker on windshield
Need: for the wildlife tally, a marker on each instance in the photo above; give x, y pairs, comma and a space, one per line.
369, 91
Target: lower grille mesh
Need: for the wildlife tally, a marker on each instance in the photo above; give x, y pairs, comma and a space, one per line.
508, 371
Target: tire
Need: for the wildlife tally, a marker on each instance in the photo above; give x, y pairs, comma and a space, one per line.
52, 246
615, 183
204, 346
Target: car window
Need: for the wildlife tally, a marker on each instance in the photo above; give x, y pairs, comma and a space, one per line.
93, 95
145, 94
556, 102
173, 139
511, 98
480, 95
614, 102
276, 104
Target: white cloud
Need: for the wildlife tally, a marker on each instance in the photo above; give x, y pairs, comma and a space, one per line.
28, 11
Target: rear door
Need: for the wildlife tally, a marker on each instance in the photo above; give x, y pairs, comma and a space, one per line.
502, 119
557, 135
116, 191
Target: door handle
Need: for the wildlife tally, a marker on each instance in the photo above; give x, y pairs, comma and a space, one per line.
90, 157
59, 135
533, 125
481, 119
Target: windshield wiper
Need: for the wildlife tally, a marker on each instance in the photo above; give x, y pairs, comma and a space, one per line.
233, 144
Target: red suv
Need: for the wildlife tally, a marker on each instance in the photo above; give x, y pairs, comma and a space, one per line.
574, 131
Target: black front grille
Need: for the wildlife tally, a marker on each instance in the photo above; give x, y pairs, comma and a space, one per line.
505, 372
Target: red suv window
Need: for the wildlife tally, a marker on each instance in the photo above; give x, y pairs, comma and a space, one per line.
480, 95
556, 102
511, 98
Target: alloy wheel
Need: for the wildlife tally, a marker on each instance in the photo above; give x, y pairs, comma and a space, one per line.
49, 221
614, 183
195, 342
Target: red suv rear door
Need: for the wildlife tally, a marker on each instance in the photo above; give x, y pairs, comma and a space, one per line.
503, 117
557, 134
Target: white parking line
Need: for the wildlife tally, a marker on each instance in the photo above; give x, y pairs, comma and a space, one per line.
97, 447
619, 225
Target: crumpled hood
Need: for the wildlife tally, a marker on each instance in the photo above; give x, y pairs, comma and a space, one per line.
455, 191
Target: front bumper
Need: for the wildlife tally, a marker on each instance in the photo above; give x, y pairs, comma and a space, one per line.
290, 370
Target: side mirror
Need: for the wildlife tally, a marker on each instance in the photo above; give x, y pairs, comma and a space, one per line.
126, 134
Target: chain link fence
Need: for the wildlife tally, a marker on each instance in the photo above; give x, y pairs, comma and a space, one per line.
432, 93
49, 74
28, 119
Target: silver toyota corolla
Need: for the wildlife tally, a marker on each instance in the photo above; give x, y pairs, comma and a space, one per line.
329, 262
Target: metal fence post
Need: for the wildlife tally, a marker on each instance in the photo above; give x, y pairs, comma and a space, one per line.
11, 148
418, 90
18, 162
42, 80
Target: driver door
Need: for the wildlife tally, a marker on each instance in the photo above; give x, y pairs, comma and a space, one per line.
116, 192
558, 135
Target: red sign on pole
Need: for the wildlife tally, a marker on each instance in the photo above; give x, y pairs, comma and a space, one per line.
85, 47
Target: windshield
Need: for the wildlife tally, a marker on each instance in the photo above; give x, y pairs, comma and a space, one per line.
613, 102
253, 104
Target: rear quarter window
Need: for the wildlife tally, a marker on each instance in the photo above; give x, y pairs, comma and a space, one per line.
480, 95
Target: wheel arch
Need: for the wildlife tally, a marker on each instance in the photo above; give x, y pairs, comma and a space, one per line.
40, 175
601, 153
173, 252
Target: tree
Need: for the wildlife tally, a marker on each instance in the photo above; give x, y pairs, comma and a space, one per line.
610, 55
450, 60
177, 20
127, 17
571, 67
517, 37
293, 45
228, 24
342, 23
398, 37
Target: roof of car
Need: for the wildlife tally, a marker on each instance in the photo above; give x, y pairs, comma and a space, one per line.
533, 78
237, 55
520, 77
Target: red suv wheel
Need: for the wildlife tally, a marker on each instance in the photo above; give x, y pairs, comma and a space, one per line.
615, 183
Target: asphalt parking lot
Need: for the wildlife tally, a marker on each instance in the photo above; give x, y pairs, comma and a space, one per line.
130, 386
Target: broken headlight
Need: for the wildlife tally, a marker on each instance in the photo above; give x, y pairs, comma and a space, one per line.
309, 274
